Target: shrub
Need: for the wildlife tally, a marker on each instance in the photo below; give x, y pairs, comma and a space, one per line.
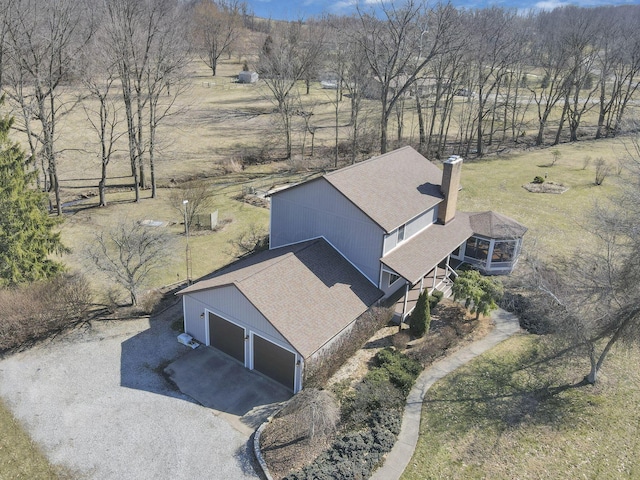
435, 298
420, 319
149, 301
400, 369
315, 413
401, 339
538, 179
602, 170
356, 454
319, 370
39, 310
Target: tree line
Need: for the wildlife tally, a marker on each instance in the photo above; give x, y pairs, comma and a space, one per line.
476, 80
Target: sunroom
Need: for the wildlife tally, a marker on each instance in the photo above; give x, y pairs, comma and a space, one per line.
495, 244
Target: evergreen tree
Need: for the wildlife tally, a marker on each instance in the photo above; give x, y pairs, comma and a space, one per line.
420, 319
27, 238
480, 293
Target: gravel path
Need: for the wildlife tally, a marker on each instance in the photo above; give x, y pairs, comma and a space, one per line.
97, 404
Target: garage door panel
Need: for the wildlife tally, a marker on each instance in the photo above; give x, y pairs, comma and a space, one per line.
274, 361
227, 337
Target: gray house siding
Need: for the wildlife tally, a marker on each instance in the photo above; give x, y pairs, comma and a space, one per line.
388, 288
412, 227
319, 210
229, 303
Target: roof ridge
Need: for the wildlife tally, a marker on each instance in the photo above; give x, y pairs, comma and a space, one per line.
279, 259
368, 160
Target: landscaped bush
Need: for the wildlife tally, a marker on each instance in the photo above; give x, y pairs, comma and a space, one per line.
356, 454
538, 179
372, 416
435, 298
420, 318
401, 370
534, 311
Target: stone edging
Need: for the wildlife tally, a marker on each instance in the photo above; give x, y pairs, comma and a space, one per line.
258, 453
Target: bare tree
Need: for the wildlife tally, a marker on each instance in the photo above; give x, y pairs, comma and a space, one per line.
5, 10
582, 35
198, 200
399, 46
128, 254
596, 291
549, 53
146, 42
491, 55
350, 66
216, 26
45, 39
286, 56
100, 73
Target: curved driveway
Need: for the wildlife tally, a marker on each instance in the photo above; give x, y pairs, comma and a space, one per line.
97, 404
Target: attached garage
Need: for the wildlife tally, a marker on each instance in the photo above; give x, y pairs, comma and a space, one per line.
275, 310
227, 337
274, 361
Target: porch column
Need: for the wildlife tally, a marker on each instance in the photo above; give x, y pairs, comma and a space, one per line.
404, 306
421, 284
492, 244
435, 279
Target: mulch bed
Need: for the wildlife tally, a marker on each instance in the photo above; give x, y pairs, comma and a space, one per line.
546, 187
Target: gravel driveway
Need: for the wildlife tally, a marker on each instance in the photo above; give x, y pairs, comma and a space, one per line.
97, 404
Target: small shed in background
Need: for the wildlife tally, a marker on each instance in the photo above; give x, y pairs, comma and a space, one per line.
247, 77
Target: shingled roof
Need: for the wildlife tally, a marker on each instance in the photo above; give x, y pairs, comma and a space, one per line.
391, 189
307, 291
495, 225
415, 258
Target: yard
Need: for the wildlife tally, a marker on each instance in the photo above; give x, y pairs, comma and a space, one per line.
500, 417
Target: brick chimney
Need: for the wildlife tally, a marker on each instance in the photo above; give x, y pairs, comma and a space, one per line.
449, 188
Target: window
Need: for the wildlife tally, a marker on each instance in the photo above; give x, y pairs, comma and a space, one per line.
477, 248
401, 234
503, 251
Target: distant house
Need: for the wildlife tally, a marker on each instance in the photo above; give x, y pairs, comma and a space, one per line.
248, 77
339, 244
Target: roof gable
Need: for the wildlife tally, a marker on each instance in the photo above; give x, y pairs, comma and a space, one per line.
392, 188
307, 291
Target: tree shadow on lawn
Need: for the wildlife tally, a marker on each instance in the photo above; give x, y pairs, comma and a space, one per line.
506, 391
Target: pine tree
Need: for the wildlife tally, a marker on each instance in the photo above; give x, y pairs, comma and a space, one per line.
27, 238
421, 316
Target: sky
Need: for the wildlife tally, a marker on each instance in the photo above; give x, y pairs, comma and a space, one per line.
303, 9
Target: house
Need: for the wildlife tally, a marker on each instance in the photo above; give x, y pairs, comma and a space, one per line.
340, 243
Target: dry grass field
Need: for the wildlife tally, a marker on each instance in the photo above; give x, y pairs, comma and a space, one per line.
218, 121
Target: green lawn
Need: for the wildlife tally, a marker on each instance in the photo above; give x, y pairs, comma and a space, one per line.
555, 221
497, 419
20, 457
